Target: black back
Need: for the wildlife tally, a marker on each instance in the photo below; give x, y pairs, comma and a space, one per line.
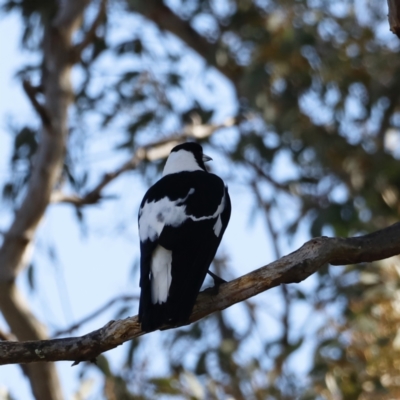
193, 245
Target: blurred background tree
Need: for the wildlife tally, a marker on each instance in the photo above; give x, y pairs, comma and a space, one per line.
298, 102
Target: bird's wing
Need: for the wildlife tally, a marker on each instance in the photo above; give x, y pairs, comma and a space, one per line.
176, 198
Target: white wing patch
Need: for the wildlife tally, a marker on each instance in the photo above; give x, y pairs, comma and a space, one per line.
161, 262
154, 215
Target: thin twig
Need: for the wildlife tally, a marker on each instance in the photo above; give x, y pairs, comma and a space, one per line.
285, 318
90, 35
94, 314
31, 92
281, 186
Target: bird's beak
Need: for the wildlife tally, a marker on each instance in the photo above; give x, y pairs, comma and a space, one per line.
206, 158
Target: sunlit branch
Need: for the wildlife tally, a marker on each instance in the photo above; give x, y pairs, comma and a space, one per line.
292, 268
150, 152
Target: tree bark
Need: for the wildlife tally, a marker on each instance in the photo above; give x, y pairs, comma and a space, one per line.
292, 268
394, 16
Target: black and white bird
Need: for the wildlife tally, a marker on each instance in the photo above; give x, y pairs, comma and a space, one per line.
182, 219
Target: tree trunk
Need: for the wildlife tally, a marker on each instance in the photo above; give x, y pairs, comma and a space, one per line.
18, 241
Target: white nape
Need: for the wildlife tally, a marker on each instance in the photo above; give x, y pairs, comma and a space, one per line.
179, 161
161, 274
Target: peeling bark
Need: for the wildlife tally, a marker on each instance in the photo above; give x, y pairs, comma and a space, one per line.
292, 268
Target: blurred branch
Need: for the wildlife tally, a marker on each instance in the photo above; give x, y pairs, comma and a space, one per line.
69, 15
267, 209
292, 268
94, 314
167, 20
285, 187
91, 33
94, 195
387, 115
6, 336
285, 317
17, 245
150, 152
31, 92
394, 16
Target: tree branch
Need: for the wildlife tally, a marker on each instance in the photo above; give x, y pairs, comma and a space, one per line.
150, 152
94, 314
292, 268
18, 240
394, 16
91, 33
69, 15
39, 108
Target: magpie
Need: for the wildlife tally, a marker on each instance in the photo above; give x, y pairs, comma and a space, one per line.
182, 219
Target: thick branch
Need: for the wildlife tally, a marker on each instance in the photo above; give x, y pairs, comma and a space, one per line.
292, 268
69, 15
394, 16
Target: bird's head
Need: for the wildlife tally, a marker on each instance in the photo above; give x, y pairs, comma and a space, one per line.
186, 157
